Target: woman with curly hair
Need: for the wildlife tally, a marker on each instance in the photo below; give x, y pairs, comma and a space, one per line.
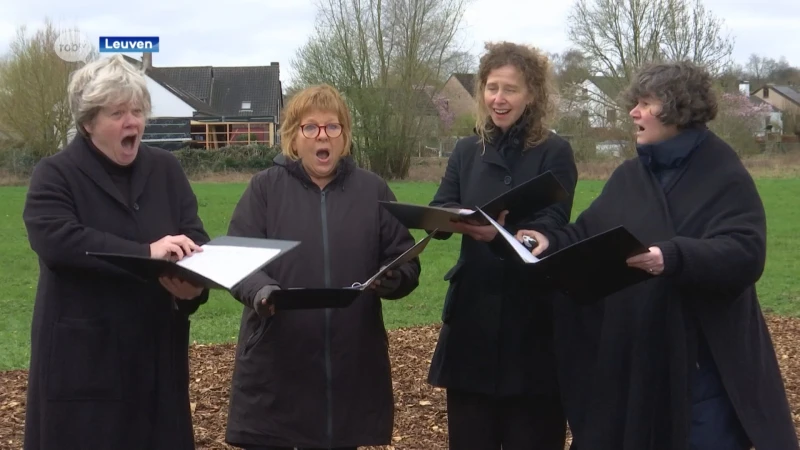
495, 351
684, 359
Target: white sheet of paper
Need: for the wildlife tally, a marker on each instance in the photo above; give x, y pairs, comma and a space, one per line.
523, 252
228, 265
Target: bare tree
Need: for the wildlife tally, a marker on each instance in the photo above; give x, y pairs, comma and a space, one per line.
692, 32
761, 70
33, 98
570, 67
619, 36
388, 57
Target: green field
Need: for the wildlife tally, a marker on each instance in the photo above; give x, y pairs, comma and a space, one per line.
218, 321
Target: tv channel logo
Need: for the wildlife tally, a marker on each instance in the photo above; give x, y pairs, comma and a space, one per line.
129, 44
73, 46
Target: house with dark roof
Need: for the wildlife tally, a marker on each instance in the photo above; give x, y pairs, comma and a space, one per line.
458, 90
211, 107
595, 101
774, 115
785, 99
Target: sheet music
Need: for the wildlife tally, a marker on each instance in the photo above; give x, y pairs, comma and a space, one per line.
227, 265
523, 252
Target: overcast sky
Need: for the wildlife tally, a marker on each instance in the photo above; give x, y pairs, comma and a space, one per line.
257, 32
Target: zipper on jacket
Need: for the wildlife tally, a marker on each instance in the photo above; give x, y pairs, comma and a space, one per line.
327, 265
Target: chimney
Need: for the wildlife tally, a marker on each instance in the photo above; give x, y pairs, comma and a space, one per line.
744, 88
147, 61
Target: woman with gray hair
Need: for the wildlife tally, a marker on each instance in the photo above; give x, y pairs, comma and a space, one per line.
109, 353
683, 359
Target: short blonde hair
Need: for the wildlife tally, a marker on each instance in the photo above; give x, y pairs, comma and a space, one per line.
106, 82
322, 97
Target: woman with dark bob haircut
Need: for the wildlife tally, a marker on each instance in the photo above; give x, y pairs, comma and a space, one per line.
495, 352
683, 359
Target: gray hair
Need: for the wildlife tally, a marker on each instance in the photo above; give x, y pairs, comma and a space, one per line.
106, 82
685, 89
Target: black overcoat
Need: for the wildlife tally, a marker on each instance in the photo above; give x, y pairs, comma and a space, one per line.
496, 335
317, 378
109, 354
625, 360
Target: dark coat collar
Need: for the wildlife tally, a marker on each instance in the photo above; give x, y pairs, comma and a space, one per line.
518, 130
673, 152
496, 139
81, 151
295, 168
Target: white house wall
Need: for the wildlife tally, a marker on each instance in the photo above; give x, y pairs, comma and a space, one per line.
165, 103
776, 120
597, 104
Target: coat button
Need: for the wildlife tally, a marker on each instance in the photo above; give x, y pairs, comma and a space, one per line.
135, 206
507, 179
515, 142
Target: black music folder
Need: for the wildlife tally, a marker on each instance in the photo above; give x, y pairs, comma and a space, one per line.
589, 269
531, 196
316, 298
223, 263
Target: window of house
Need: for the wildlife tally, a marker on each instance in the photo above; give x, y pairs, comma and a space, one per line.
245, 105
611, 115
766, 92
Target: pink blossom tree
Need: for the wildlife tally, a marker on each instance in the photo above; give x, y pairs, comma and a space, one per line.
739, 120
446, 116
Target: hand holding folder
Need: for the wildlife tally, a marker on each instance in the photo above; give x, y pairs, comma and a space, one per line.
314, 298
589, 269
223, 262
531, 196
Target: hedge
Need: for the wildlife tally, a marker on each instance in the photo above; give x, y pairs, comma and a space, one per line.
238, 158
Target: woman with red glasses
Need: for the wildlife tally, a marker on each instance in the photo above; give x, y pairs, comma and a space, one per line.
317, 378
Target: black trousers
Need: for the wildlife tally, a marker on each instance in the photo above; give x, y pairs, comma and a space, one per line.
297, 448
481, 422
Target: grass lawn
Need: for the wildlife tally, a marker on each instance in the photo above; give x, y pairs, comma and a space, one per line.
218, 321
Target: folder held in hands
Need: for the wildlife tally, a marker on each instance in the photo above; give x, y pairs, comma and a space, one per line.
586, 270
314, 298
527, 198
223, 263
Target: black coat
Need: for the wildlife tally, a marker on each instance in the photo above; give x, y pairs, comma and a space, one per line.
317, 378
496, 336
109, 353
625, 360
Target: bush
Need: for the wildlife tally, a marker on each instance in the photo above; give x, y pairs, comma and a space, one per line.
18, 161
237, 158
234, 158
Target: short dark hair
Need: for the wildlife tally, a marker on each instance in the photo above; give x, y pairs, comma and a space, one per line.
685, 89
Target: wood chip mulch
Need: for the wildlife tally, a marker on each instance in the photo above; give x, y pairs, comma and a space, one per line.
420, 419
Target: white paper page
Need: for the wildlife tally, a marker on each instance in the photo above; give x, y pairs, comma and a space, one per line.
523, 252
228, 265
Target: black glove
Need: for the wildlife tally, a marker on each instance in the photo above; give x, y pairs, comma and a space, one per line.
260, 304
388, 283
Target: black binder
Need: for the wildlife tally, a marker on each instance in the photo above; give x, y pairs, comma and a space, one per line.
587, 270
315, 298
531, 196
216, 271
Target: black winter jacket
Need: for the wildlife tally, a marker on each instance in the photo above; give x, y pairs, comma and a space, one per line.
317, 378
